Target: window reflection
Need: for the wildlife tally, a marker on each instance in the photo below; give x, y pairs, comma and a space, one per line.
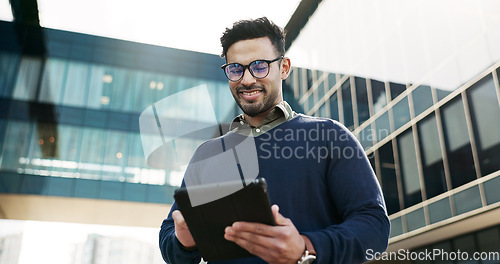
334, 106
321, 90
347, 104
401, 113
389, 180
457, 143
485, 115
76, 86
27, 78
396, 89
92, 153
16, 144
365, 137
422, 99
8, 69
53, 81
362, 99
379, 95
332, 80
383, 126
432, 161
442, 93
409, 169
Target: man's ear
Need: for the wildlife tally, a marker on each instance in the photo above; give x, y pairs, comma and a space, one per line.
286, 66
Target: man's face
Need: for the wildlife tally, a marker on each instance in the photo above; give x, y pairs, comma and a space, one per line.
257, 96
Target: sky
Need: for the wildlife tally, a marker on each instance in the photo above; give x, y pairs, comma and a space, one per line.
442, 43
188, 24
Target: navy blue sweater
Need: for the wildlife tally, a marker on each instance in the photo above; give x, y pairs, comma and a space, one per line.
318, 174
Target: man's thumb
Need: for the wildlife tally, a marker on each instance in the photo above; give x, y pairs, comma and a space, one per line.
278, 218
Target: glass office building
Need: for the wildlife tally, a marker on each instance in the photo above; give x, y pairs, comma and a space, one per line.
70, 120
71, 147
436, 153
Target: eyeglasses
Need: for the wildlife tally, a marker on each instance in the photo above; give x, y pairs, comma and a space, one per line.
258, 68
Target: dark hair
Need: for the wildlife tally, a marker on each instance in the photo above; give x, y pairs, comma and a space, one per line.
250, 29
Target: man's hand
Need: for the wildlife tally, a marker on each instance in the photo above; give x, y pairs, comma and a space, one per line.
182, 232
274, 244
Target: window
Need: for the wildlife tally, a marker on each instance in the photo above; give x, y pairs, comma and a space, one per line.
365, 137
8, 69
76, 86
310, 78
92, 152
488, 240
27, 78
332, 80
16, 144
442, 94
115, 155
379, 96
422, 99
334, 107
415, 219
409, 169
320, 92
467, 200
347, 104
467, 244
311, 100
383, 126
432, 161
362, 100
440, 210
485, 114
388, 176
53, 81
457, 143
401, 113
396, 89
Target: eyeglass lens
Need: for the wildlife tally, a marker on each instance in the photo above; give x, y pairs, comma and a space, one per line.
258, 69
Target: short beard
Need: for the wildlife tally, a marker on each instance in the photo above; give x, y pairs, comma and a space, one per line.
254, 110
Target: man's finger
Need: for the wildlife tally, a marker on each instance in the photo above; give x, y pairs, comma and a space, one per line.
279, 218
178, 218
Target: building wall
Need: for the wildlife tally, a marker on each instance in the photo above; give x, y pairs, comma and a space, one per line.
436, 152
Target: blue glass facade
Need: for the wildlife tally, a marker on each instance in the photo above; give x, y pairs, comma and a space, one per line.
69, 116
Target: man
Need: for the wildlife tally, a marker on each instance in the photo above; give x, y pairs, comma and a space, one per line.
327, 202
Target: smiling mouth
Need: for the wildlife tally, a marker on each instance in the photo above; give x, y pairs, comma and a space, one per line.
250, 93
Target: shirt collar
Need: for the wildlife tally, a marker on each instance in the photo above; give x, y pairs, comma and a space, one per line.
282, 112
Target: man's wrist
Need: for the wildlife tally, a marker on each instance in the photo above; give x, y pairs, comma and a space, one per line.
309, 253
189, 249
309, 245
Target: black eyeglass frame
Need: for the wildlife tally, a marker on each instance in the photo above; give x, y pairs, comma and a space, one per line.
223, 67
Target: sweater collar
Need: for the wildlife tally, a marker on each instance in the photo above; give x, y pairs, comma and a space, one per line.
281, 113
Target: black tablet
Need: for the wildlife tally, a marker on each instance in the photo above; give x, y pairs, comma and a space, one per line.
208, 221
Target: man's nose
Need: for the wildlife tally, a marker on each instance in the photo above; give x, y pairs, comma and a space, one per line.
247, 78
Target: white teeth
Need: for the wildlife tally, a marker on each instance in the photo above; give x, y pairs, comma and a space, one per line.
250, 93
